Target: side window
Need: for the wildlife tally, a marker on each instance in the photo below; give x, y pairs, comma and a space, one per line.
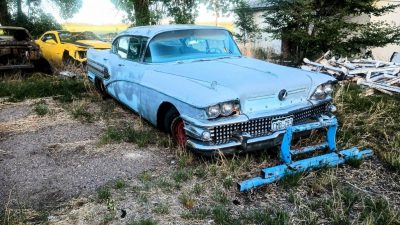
49, 37
122, 49
128, 47
135, 49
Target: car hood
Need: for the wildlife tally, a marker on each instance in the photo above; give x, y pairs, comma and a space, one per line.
255, 83
95, 43
85, 44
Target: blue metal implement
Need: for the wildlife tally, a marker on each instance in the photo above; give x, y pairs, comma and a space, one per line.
331, 159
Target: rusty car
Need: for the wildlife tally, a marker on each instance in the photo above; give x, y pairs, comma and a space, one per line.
17, 49
193, 82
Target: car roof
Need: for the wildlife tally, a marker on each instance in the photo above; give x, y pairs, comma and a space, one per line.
151, 31
12, 28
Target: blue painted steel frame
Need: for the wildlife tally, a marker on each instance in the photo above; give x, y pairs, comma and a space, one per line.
331, 159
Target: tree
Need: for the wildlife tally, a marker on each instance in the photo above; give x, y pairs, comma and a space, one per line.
245, 23
219, 7
183, 11
141, 12
35, 20
5, 16
308, 28
10, 10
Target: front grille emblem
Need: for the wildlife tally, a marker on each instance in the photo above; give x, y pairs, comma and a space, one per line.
282, 95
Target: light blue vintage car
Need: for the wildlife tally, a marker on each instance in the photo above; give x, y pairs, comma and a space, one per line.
193, 82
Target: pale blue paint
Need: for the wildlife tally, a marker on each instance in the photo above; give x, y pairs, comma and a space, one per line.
193, 85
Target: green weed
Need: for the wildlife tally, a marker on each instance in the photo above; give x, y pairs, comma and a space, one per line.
41, 108
41, 86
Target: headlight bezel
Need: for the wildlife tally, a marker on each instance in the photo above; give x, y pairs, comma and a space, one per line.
323, 91
212, 113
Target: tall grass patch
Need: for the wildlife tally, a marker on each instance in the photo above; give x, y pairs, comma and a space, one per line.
370, 122
41, 86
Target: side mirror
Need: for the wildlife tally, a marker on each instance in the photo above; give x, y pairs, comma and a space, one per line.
51, 41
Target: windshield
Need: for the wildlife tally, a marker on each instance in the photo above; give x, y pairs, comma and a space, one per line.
66, 36
191, 44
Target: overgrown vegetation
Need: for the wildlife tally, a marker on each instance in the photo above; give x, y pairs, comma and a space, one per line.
41, 108
42, 86
310, 28
197, 190
370, 122
141, 137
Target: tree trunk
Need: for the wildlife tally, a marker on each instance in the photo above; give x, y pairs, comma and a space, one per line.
4, 15
19, 9
216, 9
142, 12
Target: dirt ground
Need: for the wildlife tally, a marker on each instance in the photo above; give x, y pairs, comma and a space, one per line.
45, 161
53, 166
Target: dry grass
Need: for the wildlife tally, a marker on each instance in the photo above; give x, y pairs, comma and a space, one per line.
194, 190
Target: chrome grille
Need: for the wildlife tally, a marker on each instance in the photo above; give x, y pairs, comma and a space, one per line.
262, 126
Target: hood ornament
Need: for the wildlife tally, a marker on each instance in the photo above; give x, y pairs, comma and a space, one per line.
282, 94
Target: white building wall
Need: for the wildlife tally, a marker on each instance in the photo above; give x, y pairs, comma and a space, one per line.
393, 18
265, 40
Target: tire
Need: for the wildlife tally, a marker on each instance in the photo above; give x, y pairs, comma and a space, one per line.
173, 124
100, 87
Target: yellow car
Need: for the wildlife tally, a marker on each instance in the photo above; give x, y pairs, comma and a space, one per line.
64, 47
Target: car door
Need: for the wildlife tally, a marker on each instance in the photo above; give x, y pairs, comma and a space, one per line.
47, 43
126, 71
51, 48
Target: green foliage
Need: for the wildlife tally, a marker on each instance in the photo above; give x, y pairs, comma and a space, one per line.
266, 217
291, 180
143, 222
183, 11
196, 213
378, 211
38, 87
222, 216
128, 134
141, 12
375, 117
245, 23
119, 184
103, 194
41, 108
309, 27
161, 209
220, 196
32, 17
219, 7
182, 175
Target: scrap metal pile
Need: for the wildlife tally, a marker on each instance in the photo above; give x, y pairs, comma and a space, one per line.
376, 75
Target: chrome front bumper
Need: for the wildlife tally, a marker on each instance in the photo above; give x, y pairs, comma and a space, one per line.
241, 134
244, 142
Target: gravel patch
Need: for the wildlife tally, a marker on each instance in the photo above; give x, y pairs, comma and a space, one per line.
47, 165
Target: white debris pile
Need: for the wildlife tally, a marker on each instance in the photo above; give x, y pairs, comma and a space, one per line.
377, 75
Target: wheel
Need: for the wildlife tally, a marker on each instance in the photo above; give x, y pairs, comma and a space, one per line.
174, 125
100, 87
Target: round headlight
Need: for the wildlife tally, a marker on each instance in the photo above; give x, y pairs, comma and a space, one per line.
213, 111
328, 89
319, 93
206, 135
227, 109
